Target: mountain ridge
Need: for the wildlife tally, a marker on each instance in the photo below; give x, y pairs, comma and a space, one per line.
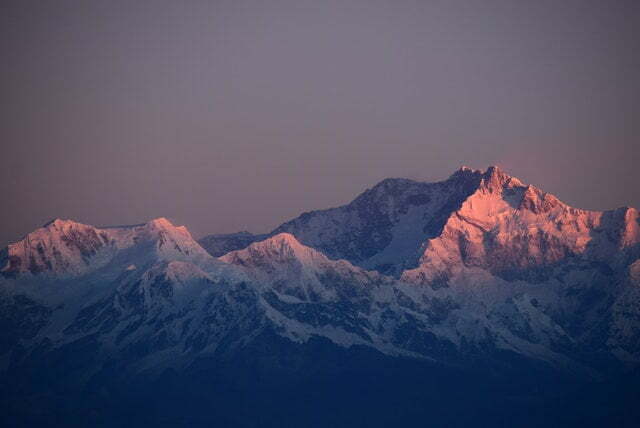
394, 241
374, 244
479, 276
455, 270
65, 246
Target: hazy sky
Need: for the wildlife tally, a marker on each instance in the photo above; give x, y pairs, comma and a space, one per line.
229, 115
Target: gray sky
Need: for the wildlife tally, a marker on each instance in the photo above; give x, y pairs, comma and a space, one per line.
229, 115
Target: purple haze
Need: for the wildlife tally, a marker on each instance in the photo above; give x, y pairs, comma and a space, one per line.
229, 115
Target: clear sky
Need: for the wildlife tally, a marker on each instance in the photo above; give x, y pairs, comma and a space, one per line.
230, 115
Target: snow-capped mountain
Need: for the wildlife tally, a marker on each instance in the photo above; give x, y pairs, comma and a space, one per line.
68, 281
382, 229
65, 247
511, 229
401, 225
514, 262
479, 270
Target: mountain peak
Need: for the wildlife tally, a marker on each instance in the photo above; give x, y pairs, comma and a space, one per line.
163, 225
280, 248
58, 246
537, 201
160, 223
285, 238
464, 172
67, 247
59, 222
495, 176
494, 179
281, 243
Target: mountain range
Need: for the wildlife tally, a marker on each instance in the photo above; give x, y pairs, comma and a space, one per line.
433, 290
